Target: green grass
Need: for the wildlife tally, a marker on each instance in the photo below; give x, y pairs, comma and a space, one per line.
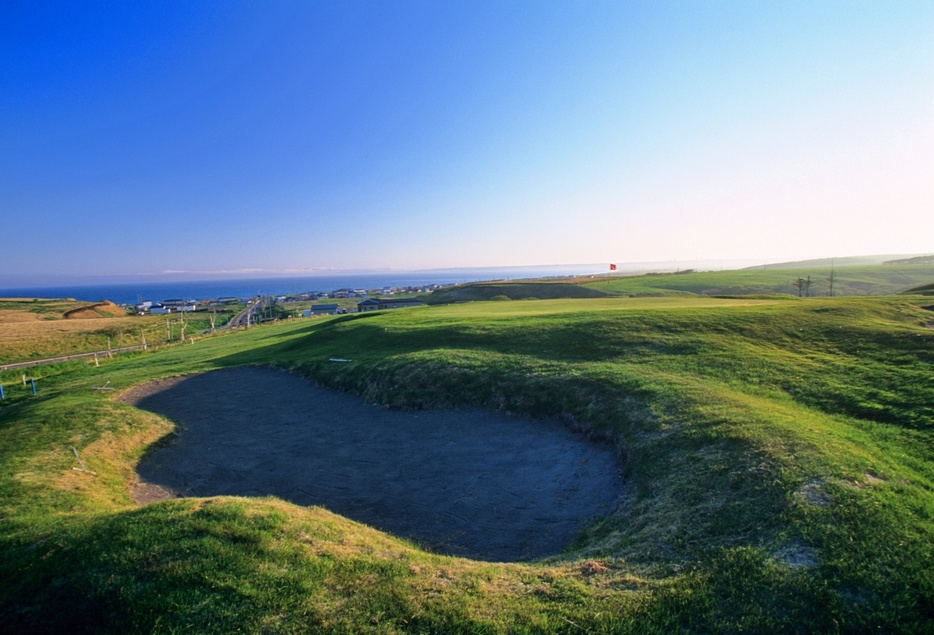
778, 457
862, 280
850, 280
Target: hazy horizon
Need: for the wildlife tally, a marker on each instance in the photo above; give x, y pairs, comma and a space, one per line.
582, 269
139, 138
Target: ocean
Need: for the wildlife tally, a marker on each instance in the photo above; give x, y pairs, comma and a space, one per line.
132, 293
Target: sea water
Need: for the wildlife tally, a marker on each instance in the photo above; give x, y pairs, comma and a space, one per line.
134, 292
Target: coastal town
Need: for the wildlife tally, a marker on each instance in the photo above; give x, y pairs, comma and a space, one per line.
304, 304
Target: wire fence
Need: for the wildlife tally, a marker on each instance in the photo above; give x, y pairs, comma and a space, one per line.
64, 358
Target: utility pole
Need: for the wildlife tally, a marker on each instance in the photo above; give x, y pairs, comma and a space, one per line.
831, 277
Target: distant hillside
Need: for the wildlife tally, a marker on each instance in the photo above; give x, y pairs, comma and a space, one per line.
917, 260
863, 280
850, 261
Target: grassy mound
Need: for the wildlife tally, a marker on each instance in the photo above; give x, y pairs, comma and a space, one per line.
99, 310
512, 291
780, 455
924, 289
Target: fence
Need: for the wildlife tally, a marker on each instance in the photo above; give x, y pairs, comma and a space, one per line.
64, 358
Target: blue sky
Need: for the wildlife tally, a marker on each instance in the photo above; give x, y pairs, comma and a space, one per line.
288, 137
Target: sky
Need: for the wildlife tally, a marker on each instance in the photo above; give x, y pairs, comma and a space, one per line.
208, 137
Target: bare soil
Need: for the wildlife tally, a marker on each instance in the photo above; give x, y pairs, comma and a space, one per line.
468, 483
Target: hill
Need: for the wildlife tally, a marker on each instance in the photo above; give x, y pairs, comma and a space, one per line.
918, 260
848, 261
847, 281
777, 458
924, 289
520, 290
93, 311
862, 280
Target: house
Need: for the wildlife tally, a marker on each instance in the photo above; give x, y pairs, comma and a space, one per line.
378, 304
370, 304
323, 309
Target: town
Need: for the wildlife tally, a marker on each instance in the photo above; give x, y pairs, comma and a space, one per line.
305, 304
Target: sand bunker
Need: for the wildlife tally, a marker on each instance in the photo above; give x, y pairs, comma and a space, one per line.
468, 483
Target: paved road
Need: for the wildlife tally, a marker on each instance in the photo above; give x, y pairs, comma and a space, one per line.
246, 317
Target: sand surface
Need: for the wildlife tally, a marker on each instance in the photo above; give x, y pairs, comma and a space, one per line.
468, 482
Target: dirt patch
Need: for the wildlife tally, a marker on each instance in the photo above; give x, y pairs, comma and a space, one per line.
814, 493
145, 493
468, 483
796, 555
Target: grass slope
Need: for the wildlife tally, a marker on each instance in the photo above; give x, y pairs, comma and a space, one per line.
779, 463
774, 280
36, 328
924, 289
848, 281
525, 290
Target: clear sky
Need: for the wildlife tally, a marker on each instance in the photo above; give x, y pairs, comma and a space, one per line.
143, 137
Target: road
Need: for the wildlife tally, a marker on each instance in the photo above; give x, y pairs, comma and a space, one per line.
246, 317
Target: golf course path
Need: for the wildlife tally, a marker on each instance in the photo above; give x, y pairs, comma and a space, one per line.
470, 483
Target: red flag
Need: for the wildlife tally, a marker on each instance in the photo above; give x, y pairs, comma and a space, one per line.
612, 267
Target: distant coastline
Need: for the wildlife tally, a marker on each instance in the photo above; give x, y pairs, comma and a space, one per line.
133, 292
123, 290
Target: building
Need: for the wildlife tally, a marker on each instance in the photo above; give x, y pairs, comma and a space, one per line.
323, 309
379, 304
